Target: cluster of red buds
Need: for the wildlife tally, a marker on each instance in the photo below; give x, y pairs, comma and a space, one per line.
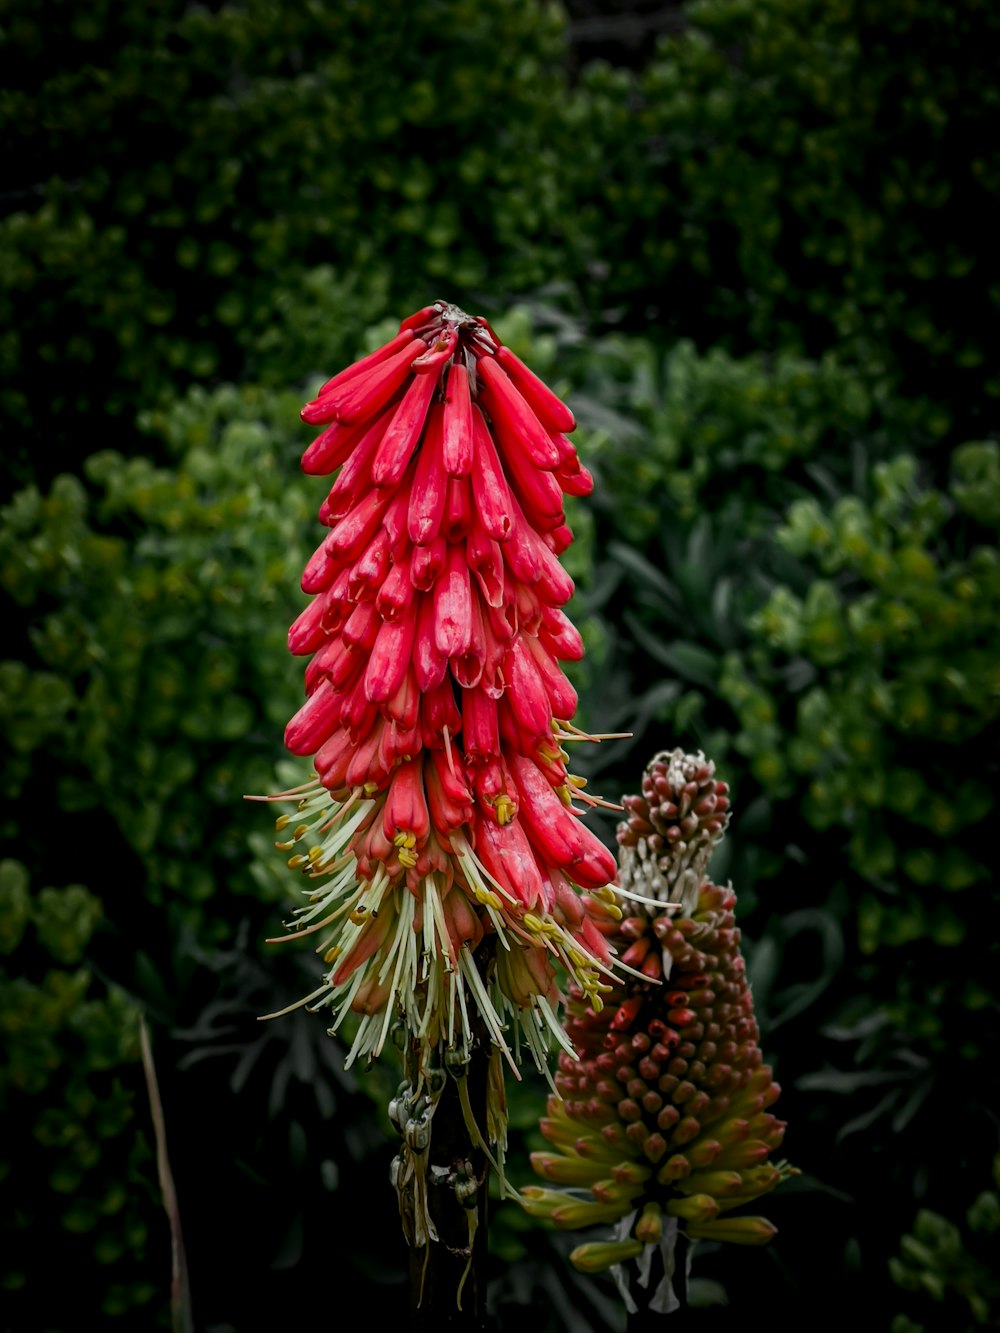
662, 1122
443, 851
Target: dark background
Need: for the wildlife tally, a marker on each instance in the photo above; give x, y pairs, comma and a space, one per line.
745, 242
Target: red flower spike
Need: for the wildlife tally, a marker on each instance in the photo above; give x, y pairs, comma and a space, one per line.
434, 699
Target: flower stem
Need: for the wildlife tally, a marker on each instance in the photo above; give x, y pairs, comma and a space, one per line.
448, 1274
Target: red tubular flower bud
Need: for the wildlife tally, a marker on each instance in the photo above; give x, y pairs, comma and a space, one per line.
395, 597
458, 438
551, 411
373, 935
332, 759
464, 926
439, 713
331, 449
405, 809
310, 629
468, 667
561, 694
389, 660
371, 567
421, 318
359, 713
579, 481
315, 721
453, 604
492, 497
363, 394
404, 432
458, 510
356, 475
360, 367
361, 627
538, 492
518, 430
403, 707
427, 563
320, 570
485, 559
559, 539
438, 352
507, 856
479, 722
448, 797
353, 533
559, 635
556, 832
526, 693
430, 484
521, 551
430, 663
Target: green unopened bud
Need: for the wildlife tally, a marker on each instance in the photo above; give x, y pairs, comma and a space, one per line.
707, 1153
739, 1155
580, 1213
649, 1227
697, 1208
674, 1168
613, 1191
735, 1230
596, 1256
717, 1183
567, 1170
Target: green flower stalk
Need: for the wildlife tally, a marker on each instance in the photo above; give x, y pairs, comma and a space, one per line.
661, 1127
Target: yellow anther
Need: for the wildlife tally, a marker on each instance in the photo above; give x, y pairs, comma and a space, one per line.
314, 854
533, 923
407, 859
564, 794
300, 831
575, 781
359, 915
404, 840
295, 861
333, 954
506, 809
284, 846
370, 788
282, 822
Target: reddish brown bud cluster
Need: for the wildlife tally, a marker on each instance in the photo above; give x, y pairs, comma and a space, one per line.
665, 1114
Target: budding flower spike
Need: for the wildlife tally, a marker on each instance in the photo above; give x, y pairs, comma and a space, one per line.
447, 870
661, 1127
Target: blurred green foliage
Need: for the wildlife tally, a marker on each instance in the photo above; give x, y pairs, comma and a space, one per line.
752, 264
76, 1169
956, 1270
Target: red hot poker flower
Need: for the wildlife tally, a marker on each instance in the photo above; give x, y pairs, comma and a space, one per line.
439, 836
